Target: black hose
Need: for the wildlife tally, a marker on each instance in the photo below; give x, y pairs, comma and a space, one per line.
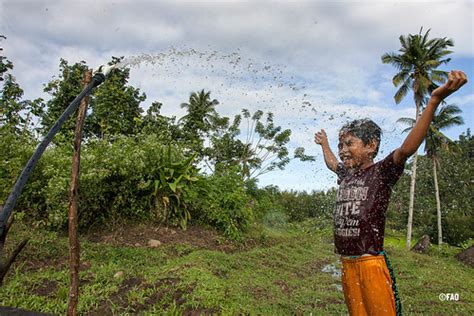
10, 203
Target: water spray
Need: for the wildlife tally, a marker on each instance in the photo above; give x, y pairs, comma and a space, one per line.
99, 76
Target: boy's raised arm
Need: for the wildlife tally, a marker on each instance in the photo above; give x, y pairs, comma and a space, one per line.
329, 158
416, 136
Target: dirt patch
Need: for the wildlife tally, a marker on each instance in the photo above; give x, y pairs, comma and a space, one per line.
285, 289
118, 298
220, 273
162, 287
317, 265
30, 263
333, 300
311, 268
139, 235
20, 312
467, 256
327, 301
47, 288
166, 286
260, 293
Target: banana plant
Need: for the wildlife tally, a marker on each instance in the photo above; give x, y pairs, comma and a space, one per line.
167, 190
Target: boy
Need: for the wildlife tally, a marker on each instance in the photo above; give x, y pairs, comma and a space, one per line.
362, 200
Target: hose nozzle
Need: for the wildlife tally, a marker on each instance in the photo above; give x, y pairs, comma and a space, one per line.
104, 69
101, 72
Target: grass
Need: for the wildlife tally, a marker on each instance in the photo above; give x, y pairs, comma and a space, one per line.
279, 275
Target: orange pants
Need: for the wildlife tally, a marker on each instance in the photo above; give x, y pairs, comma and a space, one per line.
367, 286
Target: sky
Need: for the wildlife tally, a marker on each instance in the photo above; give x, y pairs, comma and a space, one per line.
313, 64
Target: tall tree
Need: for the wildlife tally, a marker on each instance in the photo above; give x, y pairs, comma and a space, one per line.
5, 64
156, 123
15, 113
63, 90
224, 146
262, 149
265, 145
116, 108
416, 62
199, 120
435, 140
201, 111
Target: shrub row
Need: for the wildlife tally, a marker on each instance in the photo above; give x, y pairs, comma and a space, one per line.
140, 178
132, 178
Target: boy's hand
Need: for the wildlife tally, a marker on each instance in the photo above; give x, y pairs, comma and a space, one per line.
321, 138
456, 79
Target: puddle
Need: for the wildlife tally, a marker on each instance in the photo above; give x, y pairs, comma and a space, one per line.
332, 269
338, 287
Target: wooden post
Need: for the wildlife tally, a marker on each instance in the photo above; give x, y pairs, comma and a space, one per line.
74, 247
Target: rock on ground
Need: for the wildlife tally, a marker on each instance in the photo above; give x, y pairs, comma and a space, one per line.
467, 256
153, 243
422, 245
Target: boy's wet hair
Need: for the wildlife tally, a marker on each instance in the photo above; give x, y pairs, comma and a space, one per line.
365, 129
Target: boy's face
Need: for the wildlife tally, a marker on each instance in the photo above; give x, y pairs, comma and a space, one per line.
354, 153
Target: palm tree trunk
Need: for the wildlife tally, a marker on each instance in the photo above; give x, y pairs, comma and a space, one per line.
438, 203
412, 200
413, 176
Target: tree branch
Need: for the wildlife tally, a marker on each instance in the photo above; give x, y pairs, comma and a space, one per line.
263, 170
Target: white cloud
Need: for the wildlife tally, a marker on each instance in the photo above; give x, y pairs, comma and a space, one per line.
467, 99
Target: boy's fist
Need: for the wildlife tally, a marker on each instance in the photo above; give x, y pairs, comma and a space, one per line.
456, 79
320, 137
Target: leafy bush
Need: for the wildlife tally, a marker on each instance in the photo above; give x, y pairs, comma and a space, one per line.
221, 201
15, 150
266, 204
132, 177
275, 218
122, 179
174, 179
136, 177
458, 229
302, 205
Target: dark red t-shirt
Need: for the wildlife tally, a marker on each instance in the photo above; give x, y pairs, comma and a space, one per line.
361, 203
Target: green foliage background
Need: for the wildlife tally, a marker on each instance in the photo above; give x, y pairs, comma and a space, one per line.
456, 192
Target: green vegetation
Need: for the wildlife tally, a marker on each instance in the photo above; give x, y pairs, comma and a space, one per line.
276, 271
435, 140
455, 188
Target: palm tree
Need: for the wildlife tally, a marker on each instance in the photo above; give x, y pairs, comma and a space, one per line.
200, 120
417, 62
435, 140
201, 111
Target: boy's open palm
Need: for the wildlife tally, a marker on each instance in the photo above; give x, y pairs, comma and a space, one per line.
320, 137
456, 79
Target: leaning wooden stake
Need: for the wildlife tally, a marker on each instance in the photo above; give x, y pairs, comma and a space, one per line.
74, 247
5, 263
